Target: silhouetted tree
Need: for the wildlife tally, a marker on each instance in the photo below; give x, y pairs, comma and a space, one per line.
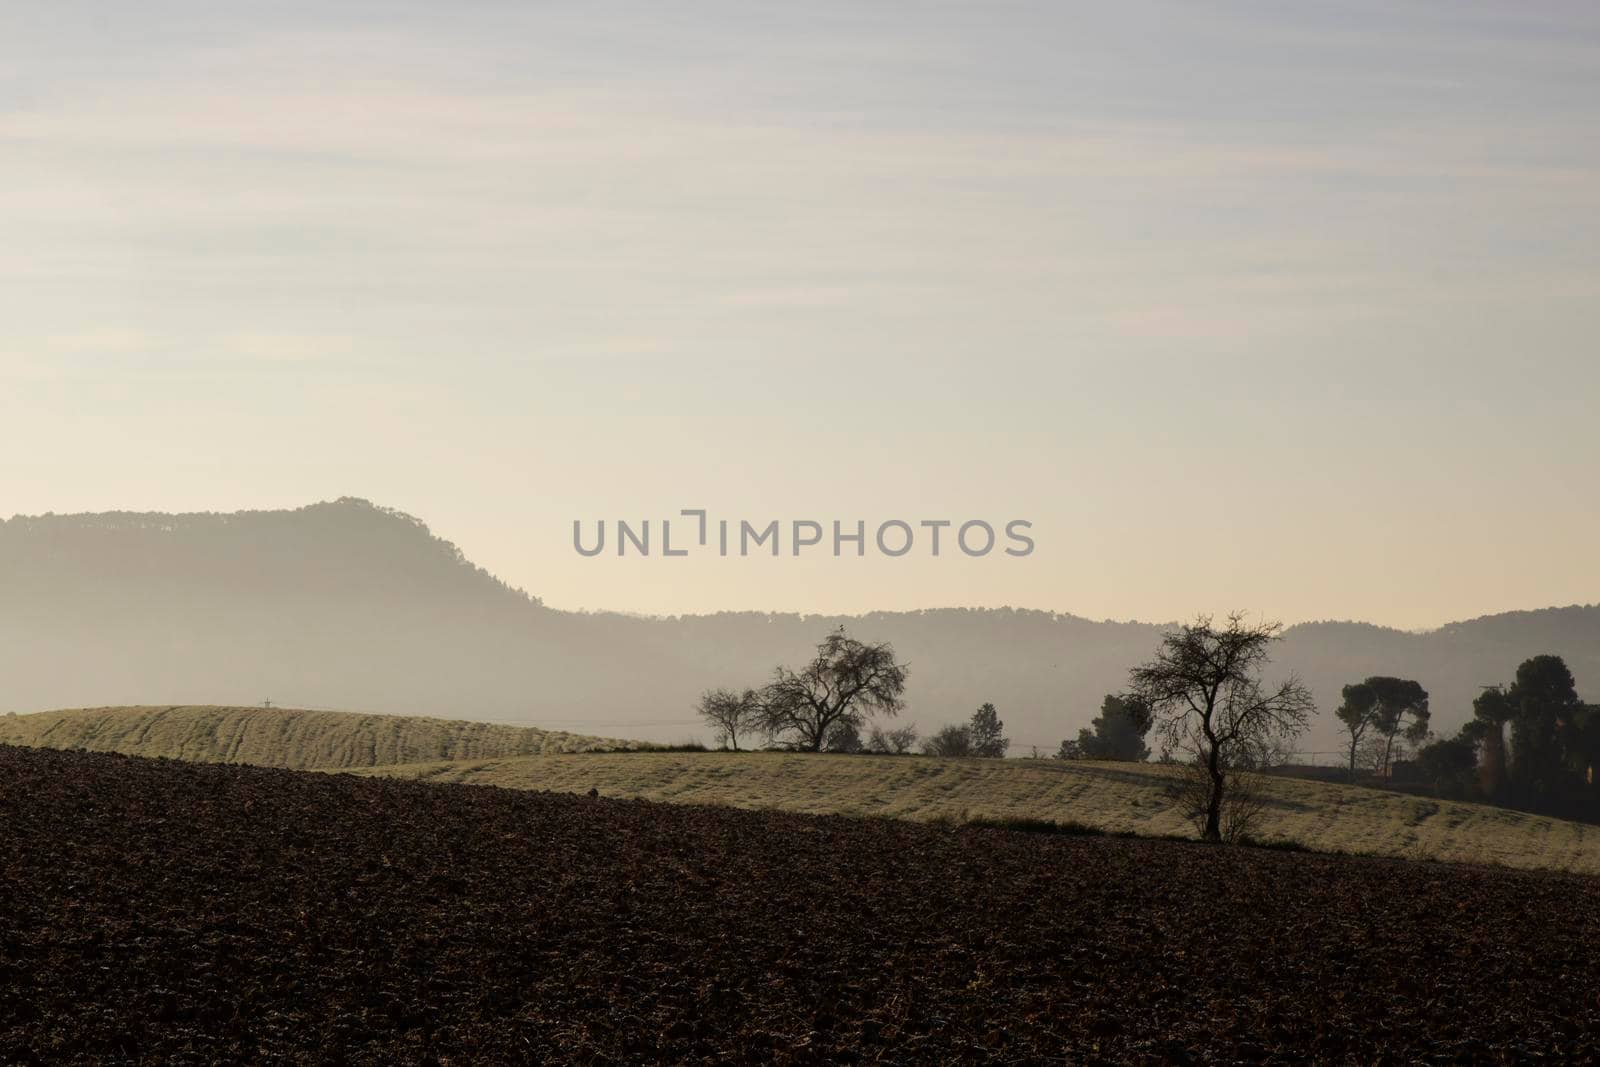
1402, 712
1543, 703
1583, 740
988, 738
1448, 764
1554, 745
1117, 733
1204, 691
1380, 710
1357, 713
953, 740
846, 682
1490, 713
896, 742
730, 714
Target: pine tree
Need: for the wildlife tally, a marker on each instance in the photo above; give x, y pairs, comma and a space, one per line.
987, 737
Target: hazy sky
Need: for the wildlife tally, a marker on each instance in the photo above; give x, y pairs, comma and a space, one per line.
1288, 307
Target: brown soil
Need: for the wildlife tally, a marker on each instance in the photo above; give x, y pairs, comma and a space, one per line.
163, 912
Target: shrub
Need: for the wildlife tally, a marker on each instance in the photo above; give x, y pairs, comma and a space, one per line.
951, 741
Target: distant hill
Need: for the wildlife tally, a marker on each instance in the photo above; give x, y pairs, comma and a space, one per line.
349, 605
286, 737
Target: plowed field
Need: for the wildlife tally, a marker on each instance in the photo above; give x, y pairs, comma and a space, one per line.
164, 912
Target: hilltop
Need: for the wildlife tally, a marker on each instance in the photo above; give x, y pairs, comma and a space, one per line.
286, 737
346, 604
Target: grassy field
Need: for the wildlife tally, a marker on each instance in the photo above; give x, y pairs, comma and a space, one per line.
285, 737
1113, 796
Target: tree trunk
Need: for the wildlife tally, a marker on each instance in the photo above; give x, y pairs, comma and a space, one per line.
1492, 774
1213, 830
820, 736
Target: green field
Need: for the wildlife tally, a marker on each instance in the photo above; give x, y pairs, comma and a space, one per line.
1114, 796
285, 737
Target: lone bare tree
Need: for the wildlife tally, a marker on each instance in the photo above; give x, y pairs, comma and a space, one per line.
845, 684
1204, 690
730, 714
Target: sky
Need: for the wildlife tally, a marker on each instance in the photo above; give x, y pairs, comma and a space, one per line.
1285, 308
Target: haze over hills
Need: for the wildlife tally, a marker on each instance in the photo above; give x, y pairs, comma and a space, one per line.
349, 605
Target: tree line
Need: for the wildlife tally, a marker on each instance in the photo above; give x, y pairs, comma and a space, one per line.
1201, 693
826, 706
1220, 724
1549, 762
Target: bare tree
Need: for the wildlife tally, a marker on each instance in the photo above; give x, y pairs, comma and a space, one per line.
896, 742
1192, 789
730, 714
1204, 690
846, 683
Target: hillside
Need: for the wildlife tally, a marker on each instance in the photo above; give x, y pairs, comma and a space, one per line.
285, 737
1132, 797
1116, 797
346, 604
292, 917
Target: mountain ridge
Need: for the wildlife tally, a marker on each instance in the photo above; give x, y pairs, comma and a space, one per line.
351, 605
